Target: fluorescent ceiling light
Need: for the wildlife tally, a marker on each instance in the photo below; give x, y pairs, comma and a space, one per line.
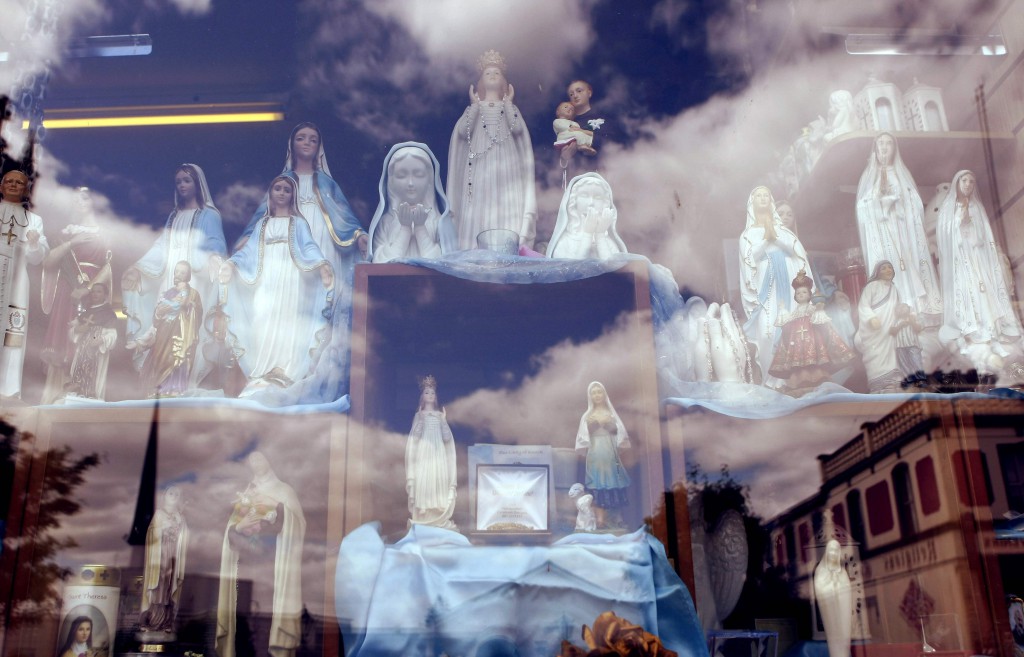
116, 45
158, 119
924, 43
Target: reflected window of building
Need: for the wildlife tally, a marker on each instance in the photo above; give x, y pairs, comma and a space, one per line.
903, 489
883, 109
927, 485
879, 504
973, 482
1011, 459
805, 542
856, 516
839, 516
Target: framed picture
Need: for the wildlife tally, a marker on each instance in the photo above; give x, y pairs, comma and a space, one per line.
512, 498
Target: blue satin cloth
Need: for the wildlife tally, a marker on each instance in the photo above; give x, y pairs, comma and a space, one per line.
434, 592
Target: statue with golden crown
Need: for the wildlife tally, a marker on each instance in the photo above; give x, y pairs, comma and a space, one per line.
490, 161
430, 471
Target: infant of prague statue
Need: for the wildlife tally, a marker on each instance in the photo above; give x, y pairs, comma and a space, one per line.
166, 547
22, 243
430, 471
490, 161
586, 224
412, 218
978, 320
263, 543
890, 216
834, 594
809, 350
281, 291
192, 234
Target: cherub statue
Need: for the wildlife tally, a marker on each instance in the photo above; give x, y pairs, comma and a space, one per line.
586, 519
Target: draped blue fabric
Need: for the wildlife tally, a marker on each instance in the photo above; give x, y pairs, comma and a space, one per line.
434, 591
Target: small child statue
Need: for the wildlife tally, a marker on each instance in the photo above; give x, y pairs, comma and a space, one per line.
908, 347
568, 131
586, 519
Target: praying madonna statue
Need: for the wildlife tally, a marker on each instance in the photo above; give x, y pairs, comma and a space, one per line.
412, 219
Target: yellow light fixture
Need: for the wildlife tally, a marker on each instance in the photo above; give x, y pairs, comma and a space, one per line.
160, 119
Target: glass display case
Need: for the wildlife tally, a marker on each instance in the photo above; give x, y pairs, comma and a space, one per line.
576, 328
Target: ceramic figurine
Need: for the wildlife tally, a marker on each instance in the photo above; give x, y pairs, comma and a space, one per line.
810, 350
979, 322
834, 594
601, 435
171, 341
166, 549
720, 560
842, 115
771, 255
22, 243
490, 161
193, 233
568, 131
908, 346
70, 270
93, 334
720, 347
875, 338
890, 216
334, 226
430, 469
586, 224
590, 117
263, 543
281, 286
412, 219
586, 519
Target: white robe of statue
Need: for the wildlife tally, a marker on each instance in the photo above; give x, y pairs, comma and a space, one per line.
890, 217
979, 321
15, 256
771, 256
834, 594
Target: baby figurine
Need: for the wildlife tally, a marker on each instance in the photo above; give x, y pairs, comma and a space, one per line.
567, 130
586, 519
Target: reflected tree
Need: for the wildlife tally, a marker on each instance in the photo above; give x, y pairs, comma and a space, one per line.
31, 576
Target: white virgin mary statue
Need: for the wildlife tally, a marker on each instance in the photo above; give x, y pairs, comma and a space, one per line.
412, 219
771, 256
430, 468
978, 319
490, 161
834, 594
281, 288
890, 217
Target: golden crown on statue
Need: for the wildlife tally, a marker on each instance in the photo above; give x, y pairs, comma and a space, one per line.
491, 58
428, 382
